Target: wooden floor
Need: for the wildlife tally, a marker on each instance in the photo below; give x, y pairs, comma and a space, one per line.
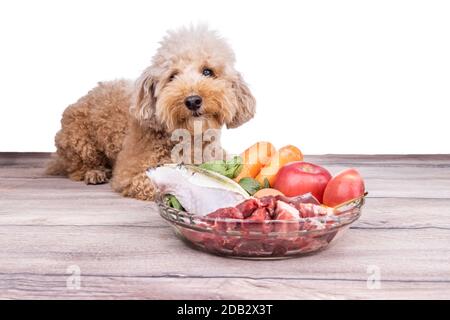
51, 228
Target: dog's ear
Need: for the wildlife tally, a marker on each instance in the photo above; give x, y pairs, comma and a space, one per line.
245, 108
143, 108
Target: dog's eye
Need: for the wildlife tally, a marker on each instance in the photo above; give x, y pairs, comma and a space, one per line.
208, 72
172, 76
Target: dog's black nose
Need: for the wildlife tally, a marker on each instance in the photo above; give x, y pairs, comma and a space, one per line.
193, 102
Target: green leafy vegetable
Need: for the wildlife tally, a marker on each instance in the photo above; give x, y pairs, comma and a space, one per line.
173, 202
266, 183
234, 167
218, 166
250, 185
230, 168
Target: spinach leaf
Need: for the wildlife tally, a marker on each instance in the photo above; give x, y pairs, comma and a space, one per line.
173, 202
266, 183
230, 168
217, 166
250, 185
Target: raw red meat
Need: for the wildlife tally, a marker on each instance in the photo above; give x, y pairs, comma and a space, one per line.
257, 222
286, 212
248, 207
217, 216
305, 198
226, 213
256, 216
269, 203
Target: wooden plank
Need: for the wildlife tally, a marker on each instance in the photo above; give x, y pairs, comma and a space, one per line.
407, 186
12, 165
32, 286
423, 177
77, 209
383, 160
24, 159
401, 255
74, 211
372, 172
31, 159
396, 213
125, 250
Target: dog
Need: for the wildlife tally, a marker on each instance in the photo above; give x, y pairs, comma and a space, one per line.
121, 128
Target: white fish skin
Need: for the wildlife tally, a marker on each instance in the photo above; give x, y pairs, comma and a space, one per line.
199, 191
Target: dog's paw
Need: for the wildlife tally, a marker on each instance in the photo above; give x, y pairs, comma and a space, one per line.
140, 188
96, 176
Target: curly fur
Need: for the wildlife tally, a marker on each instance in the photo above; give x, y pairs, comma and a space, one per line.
120, 128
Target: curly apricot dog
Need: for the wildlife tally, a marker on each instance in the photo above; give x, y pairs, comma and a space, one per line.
120, 129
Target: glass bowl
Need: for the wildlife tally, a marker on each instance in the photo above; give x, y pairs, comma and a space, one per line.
270, 239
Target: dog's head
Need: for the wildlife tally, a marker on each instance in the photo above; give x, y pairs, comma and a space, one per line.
192, 78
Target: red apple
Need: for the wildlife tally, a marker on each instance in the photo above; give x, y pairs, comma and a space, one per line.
297, 178
345, 186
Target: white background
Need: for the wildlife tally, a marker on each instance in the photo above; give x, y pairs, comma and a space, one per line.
328, 76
